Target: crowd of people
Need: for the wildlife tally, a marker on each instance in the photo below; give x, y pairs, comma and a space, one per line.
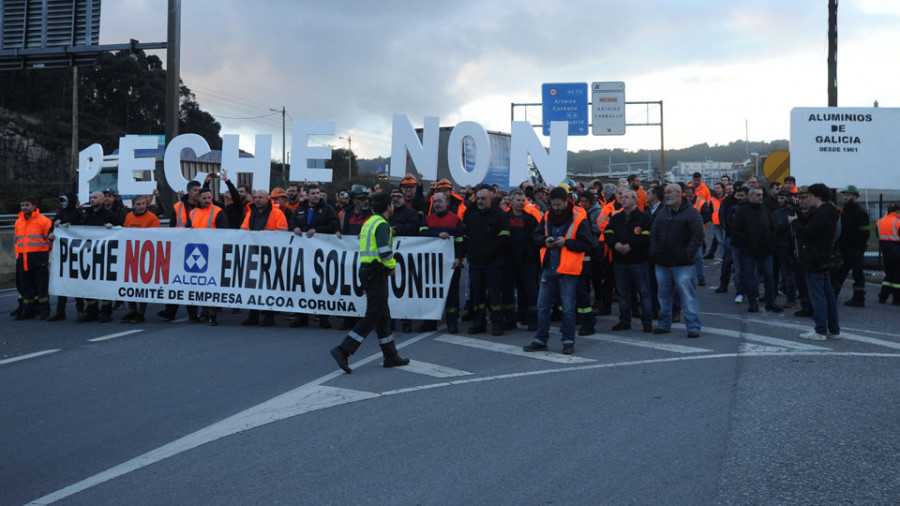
536, 254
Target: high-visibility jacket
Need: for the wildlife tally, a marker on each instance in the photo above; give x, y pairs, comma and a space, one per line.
609, 209
369, 250
716, 204
182, 215
889, 236
534, 211
570, 262
205, 218
31, 235
702, 191
641, 198
275, 221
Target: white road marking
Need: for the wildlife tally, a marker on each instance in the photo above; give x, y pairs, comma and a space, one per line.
113, 336
180, 320
771, 341
800, 326
675, 348
433, 370
312, 396
513, 350
26, 357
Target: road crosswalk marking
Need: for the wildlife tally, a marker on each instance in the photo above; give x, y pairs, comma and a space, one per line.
433, 370
674, 348
512, 350
113, 336
849, 337
771, 341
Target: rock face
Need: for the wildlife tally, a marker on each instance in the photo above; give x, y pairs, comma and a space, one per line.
24, 160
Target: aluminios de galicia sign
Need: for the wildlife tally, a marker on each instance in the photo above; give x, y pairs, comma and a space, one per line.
840, 146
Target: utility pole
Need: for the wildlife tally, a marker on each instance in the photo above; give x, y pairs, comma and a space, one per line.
349, 160
74, 123
283, 152
173, 81
832, 53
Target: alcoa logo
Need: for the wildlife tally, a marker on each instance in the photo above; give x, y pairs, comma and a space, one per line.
196, 258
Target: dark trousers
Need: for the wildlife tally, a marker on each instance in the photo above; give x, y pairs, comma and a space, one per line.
486, 278
788, 263
853, 263
520, 291
583, 302
891, 284
378, 312
633, 279
749, 265
451, 310
33, 283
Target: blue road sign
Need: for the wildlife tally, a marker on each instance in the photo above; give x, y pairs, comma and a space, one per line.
566, 102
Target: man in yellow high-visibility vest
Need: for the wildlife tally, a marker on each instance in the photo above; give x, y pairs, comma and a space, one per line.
376, 257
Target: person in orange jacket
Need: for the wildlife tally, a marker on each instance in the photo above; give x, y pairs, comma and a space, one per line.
33, 240
264, 215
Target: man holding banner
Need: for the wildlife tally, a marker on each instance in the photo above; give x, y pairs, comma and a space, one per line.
377, 261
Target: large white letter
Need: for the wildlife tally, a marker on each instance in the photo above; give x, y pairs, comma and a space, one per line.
260, 165
455, 153
424, 154
551, 165
90, 161
302, 152
128, 164
172, 162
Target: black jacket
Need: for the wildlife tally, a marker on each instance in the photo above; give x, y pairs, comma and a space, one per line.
99, 218
676, 235
632, 229
487, 235
855, 228
405, 221
753, 230
817, 237
323, 219
725, 211
70, 214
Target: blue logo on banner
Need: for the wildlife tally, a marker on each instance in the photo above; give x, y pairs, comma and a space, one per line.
196, 258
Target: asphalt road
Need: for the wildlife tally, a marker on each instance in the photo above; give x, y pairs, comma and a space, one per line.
179, 413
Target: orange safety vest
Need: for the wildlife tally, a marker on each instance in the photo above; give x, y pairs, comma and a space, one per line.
716, 203
641, 198
569, 261
31, 235
205, 218
698, 205
275, 221
889, 228
533, 210
181, 215
606, 214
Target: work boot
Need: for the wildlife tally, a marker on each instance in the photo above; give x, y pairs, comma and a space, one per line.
26, 314
105, 317
88, 316
427, 326
391, 357
59, 315
324, 322
856, 302
166, 315
127, 318
478, 328
407, 326
18, 310
343, 351
137, 318
267, 321
213, 320
301, 320
253, 319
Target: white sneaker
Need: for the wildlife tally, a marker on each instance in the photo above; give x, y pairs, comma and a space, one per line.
833, 336
812, 335
739, 299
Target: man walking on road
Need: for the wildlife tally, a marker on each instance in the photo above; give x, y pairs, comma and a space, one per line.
376, 257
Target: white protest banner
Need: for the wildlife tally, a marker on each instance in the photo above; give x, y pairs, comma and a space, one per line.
276, 271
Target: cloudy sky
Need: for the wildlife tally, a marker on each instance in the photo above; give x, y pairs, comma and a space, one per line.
718, 66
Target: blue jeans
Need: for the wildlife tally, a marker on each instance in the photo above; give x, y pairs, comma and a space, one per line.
727, 262
680, 278
633, 278
698, 265
556, 287
824, 304
749, 265
738, 280
788, 263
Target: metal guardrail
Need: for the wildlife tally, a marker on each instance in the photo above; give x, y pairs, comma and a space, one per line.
8, 221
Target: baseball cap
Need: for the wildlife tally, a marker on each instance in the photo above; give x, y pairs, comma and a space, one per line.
851, 189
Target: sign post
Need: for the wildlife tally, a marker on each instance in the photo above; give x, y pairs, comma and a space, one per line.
608, 108
565, 102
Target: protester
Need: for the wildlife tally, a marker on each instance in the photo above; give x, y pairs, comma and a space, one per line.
674, 240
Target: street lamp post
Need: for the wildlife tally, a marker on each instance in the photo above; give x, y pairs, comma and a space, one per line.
349, 158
